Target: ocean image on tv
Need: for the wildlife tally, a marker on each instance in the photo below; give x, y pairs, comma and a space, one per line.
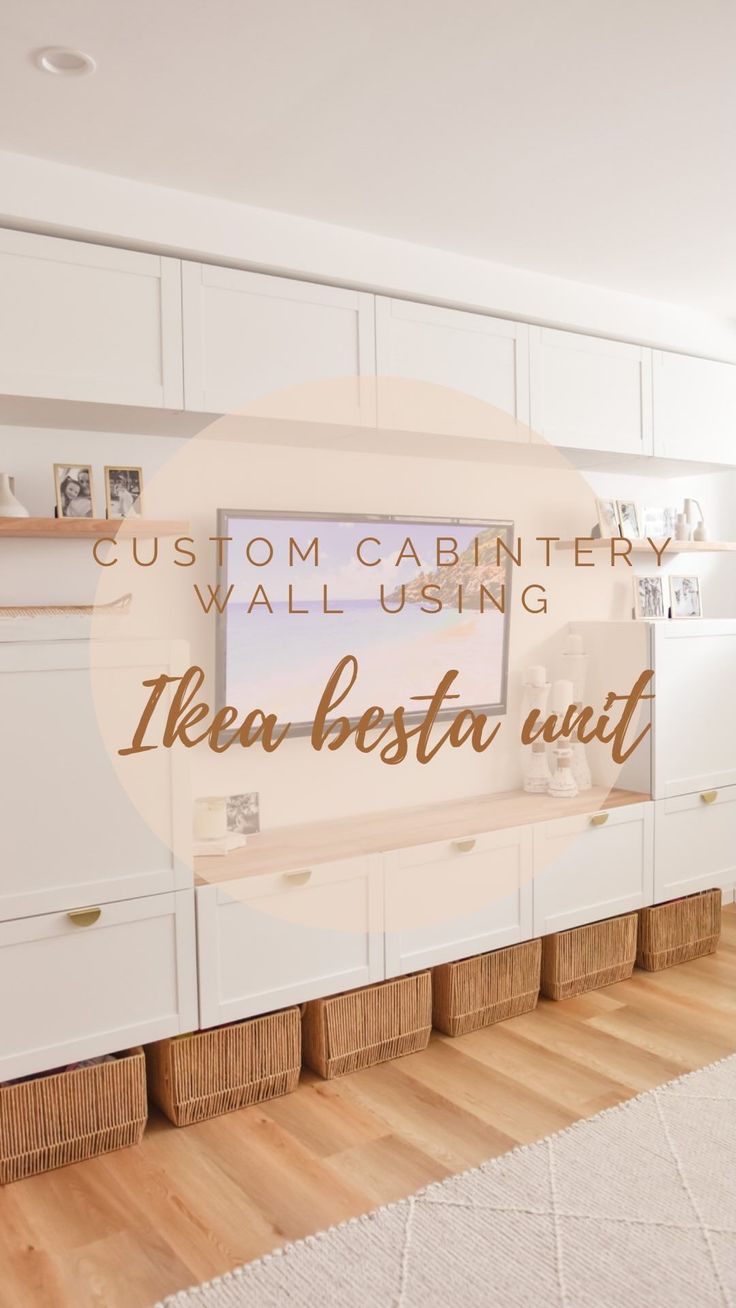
280, 661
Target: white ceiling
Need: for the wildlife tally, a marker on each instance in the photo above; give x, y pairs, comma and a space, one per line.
593, 139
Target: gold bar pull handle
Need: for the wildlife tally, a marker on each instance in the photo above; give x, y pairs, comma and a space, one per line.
83, 917
709, 796
298, 878
464, 846
599, 819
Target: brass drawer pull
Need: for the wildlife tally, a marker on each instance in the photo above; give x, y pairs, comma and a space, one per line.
709, 796
464, 846
82, 917
298, 878
599, 820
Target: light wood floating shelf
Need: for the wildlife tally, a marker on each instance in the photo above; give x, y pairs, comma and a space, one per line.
87, 528
310, 843
643, 546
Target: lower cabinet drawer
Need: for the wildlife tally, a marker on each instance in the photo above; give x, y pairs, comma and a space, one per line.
73, 988
454, 898
269, 941
591, 867
694, 843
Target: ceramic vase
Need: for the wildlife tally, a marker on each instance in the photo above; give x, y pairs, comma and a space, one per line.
562, 783
10, 507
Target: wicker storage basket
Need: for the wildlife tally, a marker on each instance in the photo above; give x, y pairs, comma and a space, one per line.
361, 1027
207, 1073
678, 931
479, 991
588, 957
68, 1116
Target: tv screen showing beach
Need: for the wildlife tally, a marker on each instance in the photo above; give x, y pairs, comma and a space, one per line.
409, 598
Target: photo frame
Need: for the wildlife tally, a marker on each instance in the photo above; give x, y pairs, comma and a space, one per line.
657, 523
123, 492
243, 813
685, 597
649, 601
629, 519
73, 490
608, 519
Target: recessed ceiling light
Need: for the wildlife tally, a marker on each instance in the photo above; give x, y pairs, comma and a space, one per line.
65, 63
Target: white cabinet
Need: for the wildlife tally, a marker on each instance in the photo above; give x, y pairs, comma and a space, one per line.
588, 868
452, 899
281, 938
694, 843
589, 393
694, 735
471, 356
694, 408
249, 338
73, 991
71, 831
89, 322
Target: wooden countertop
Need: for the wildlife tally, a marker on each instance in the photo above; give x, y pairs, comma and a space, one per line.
309, 843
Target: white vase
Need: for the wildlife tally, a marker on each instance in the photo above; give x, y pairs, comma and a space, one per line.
562, 783
10, 507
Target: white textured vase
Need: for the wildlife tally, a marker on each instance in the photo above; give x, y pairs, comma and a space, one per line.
10, 507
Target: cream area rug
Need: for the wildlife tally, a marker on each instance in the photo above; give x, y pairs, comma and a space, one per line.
635, 1205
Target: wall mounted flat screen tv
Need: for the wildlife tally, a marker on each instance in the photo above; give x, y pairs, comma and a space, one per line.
409, 597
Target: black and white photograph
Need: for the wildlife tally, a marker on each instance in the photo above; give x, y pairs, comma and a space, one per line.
73, 487
685, 598
607, 517
243, 815
124, 492
657, 523
649, 597
628, 517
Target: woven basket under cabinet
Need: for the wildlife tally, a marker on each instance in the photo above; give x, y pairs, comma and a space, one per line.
679, 930
69, 1116
202, 1075
488, 988
588, 957
361, 1027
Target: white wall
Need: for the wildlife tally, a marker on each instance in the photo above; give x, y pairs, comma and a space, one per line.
63, 200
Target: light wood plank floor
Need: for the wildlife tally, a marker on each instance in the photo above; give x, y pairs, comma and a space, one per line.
122, 1231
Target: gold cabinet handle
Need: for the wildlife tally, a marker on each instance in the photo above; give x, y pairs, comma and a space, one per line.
464, 846
298, 878
709, 796
599, 820
82, 917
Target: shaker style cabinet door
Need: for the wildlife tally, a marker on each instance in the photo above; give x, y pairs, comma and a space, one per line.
455, 898
694, 408
280, 938
478, 367
590, 394
277, 347
79, 824
588, 868
89, 322
694, 843
694, 707
85, 983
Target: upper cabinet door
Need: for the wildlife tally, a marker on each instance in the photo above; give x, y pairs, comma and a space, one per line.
590, 394
694, 725
276, 346
481, 364
694, 408
88, 322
